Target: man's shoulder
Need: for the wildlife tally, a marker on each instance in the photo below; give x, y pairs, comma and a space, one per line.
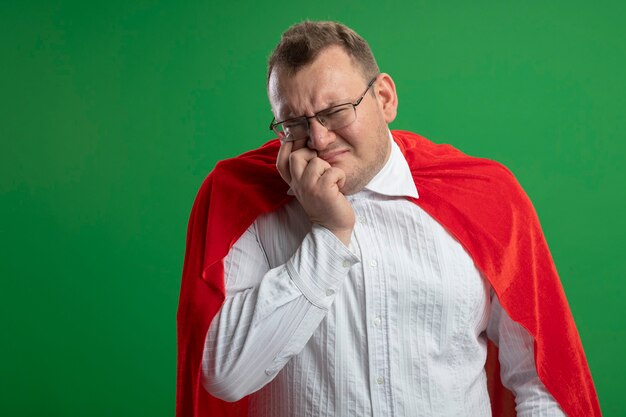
444, 169
427, 157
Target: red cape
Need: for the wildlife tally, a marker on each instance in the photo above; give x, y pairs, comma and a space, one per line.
477, 200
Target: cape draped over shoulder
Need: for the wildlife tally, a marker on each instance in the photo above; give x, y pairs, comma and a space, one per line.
478, 201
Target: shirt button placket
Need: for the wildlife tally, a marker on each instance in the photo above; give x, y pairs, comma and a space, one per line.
370, 268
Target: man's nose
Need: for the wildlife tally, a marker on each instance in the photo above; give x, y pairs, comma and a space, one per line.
319, 136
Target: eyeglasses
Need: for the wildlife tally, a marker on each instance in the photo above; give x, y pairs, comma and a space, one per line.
332, 118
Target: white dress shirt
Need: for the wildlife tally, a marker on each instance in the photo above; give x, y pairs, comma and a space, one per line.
396, 324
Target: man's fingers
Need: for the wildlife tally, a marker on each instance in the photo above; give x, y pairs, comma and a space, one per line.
298, 144
282, 161
313, 171
333, 177
298, 161
292, 159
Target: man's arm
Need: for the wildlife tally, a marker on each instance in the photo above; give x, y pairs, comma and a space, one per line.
270, 314
517, 362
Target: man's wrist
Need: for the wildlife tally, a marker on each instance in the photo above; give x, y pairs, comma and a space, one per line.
344, 235
321, 264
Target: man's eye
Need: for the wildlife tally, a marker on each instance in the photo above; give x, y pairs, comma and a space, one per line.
335, 112
293, 125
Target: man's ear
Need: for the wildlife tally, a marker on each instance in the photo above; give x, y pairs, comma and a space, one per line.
387, 98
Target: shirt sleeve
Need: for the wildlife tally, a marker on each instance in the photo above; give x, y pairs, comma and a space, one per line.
270, 314
517, 365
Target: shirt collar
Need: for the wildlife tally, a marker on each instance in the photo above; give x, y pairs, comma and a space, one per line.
394, 179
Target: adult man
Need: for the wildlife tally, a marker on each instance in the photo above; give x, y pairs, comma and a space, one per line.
351, 299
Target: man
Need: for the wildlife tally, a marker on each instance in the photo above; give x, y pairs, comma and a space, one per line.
375, 290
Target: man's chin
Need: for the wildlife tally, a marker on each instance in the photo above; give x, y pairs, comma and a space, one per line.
350, 187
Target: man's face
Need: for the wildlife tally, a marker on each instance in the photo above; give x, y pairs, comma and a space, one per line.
359, 149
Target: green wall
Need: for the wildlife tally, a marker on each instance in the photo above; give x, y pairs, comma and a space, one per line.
113, 112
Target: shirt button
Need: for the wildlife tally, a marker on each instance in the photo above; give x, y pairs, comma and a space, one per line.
373, 263
380, 380
346, 264
377, 321
362, 219
329, 292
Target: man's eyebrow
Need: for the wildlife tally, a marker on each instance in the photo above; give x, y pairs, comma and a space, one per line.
285, 113
337, 102
290, 114
333, 103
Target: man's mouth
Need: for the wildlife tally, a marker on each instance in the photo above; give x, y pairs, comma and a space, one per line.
333, 156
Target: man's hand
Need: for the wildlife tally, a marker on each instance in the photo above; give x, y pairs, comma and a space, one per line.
316, 185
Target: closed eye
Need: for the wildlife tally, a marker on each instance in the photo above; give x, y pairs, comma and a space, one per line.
334, 112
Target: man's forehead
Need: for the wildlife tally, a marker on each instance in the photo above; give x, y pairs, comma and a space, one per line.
321, 85
294, 98
331, 62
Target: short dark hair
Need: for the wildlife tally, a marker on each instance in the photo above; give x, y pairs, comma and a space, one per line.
302, 43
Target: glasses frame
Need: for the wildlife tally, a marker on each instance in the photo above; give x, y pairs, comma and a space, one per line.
274, 123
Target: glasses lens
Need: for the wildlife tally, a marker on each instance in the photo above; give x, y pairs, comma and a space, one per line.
292, 129
333, 118
337, 117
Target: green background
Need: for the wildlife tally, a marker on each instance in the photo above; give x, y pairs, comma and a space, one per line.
113, 112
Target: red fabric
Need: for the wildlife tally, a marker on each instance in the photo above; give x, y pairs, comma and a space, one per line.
478, 201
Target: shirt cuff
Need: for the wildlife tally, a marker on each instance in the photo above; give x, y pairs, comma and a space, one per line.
320, 265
